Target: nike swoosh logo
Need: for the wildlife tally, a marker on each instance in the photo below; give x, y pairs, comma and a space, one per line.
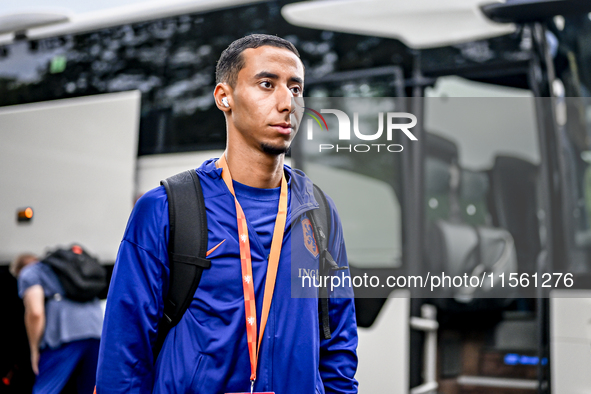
210, 251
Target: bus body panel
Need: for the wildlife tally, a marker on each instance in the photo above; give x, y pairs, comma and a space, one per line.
384, 348
73, 162
570, 338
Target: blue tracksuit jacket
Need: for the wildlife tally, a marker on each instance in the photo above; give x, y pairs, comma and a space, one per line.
206, 352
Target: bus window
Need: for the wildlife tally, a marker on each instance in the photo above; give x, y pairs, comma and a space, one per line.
482, 162
172, 62
366, 186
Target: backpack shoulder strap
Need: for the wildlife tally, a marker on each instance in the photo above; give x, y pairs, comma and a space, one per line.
321, 221
187, 246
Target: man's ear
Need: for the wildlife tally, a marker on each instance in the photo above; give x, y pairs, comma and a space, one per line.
222, 95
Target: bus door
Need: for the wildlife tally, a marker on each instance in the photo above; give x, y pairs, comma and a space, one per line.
368, 189
481, 168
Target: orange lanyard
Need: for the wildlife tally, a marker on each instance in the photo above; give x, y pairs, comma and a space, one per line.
246, 264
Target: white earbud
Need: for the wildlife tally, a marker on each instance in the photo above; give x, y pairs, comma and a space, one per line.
225, 101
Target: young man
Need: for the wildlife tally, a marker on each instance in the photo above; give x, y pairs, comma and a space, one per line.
214, 348
63, 334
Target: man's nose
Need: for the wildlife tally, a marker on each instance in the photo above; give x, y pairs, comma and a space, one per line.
284, 99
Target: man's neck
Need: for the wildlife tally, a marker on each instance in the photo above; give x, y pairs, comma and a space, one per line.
257, 169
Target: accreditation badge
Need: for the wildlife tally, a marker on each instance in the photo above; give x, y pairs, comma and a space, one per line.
246, 268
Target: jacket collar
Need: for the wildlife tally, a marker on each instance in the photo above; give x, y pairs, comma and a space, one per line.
300, 187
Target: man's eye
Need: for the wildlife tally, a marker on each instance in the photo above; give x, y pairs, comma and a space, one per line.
266, 84
296, 90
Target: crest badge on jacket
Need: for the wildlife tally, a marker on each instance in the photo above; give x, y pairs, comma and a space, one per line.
309, 239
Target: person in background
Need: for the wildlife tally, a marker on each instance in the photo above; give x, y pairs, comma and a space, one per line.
64, 335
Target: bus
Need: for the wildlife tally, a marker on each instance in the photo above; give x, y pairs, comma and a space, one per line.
95, 110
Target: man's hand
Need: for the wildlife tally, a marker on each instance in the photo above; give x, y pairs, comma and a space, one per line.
35, 360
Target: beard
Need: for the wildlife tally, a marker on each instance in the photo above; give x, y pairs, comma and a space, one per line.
274, 150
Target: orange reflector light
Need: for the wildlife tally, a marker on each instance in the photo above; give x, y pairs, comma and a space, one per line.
24, 214
6, 379
77, 249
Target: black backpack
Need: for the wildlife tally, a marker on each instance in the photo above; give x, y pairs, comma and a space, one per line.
81, 275
188, 222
